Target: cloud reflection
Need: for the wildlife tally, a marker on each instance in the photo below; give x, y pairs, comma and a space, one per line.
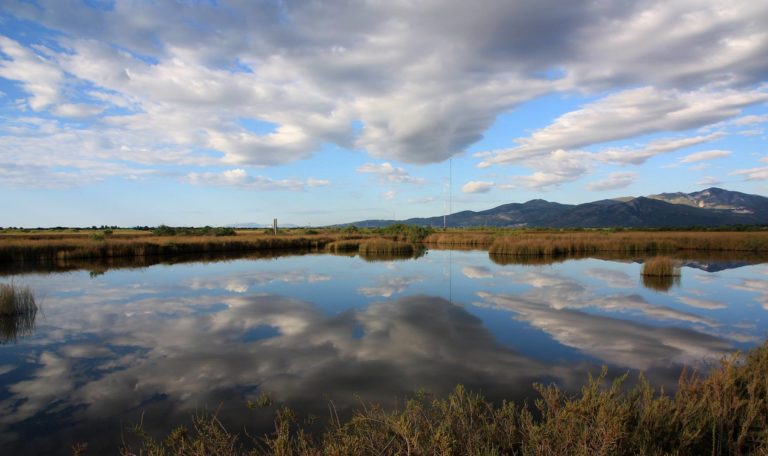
175, 363
620, 342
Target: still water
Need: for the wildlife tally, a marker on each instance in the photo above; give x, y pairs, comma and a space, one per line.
157, 344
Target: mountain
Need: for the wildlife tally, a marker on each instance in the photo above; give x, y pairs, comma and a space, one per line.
717, 198
710, 207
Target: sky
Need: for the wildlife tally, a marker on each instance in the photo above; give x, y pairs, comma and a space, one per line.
194, 112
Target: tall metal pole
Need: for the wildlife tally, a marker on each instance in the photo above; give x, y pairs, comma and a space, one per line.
450, 186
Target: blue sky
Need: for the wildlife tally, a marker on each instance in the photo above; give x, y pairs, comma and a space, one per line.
220, 112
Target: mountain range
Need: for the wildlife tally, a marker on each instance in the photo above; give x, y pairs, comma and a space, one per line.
707, 208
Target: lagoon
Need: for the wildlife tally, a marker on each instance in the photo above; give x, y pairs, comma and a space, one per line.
156, 344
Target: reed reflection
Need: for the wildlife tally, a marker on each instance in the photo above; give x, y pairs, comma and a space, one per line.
18, 310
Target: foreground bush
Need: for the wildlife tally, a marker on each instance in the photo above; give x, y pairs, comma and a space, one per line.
724, 413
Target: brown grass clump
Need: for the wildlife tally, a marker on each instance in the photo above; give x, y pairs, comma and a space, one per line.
724, 413
661, 267
379, 245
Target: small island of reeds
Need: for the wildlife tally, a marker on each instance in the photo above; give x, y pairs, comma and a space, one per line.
661, 267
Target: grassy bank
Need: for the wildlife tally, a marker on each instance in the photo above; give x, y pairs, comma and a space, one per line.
51, 246
725, 412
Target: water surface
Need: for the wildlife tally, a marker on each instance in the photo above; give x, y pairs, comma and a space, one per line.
112, 347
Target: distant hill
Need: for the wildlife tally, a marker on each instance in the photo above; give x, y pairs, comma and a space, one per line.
710, 207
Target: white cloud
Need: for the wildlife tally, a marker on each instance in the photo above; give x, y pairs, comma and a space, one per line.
629, 114
424, 79
312, 182
477, 187
660, 146
709, 181
389, 173
705, 155
752, 174
39, 77
239, 178
750, 120
613, 181
389, 195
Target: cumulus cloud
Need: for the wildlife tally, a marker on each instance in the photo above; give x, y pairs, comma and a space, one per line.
613, 181
477, 187
416, 82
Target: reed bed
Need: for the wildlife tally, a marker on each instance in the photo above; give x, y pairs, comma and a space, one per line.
722, 413
586, 243
28, 250
661, 267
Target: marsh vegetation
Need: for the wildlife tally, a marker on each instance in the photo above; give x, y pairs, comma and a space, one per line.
50, 245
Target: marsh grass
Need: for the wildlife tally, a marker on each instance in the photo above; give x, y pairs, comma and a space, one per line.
18, 311
722, 413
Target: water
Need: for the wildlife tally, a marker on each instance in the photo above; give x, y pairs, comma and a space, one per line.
158, 344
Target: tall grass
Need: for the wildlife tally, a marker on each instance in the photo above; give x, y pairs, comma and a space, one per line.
18, 310
723, 413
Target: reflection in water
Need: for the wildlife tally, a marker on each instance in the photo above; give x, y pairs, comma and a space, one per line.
418, 252
660, 283
167, 341
18, 310
17, 325
163, 366
617, 341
